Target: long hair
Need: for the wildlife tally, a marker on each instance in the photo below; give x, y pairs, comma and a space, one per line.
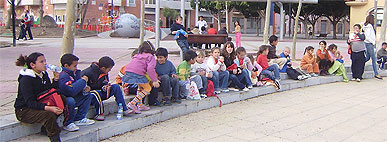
262, 48
308, 48
25, 61
369, 20
224, 50
324, 42
146, 47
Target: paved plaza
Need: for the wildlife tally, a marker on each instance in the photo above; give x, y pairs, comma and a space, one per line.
350, 112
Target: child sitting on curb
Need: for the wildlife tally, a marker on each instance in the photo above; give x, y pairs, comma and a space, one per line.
272, 72
200, 68
183, 72
338, 63
220, 76
101, 89
166, 72
308, 62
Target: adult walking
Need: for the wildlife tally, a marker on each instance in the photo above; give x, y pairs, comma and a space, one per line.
370, 42
28, 21
201, 23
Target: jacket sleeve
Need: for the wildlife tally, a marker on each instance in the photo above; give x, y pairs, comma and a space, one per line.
211, 64
151, 68
68, 87
29, 98
361, 36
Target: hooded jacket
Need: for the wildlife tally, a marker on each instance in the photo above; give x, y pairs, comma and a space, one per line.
369, 32
30, 86
70, 83
97, 78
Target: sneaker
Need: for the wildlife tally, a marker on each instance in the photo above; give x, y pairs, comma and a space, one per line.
225, 90
353, 79
177, 101
203, 96
100, 117
166, 102
217, 92
250, 87
313, 75
308, 75
234, 89
277, 83
245, 89
358, 79
143, 107
128, 112
378, 77
134, 108
71, 127
346, 80
300, 77
84, 121
157, 103
304, 77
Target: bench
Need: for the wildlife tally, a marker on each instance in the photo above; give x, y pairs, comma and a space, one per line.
207, 39
322, 35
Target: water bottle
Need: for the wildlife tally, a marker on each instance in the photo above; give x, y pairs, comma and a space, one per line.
54, 68
120, 111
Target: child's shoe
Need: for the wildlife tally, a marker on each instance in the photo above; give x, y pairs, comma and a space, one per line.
225, 90
203, 96
250, 87
166, 102
217, 92
127, 112
177, 101
84, 122
71, 127
245, 89
277, 83
234, 89
358, 79
99, 117
313, 75
143, 107
134, 108
300, 77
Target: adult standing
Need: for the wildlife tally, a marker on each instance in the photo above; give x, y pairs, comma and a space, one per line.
28, 21
201, 23
370, 42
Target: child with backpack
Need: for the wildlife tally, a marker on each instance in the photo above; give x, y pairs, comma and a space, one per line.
338, 63
308, 62
272, 72
184, 71
141, 63
290, 71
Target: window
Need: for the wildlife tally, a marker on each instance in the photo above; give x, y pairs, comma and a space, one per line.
131, 3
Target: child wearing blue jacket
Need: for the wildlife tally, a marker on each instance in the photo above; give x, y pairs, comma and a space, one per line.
71, 84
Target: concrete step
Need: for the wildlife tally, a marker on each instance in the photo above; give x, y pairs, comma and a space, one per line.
11, 129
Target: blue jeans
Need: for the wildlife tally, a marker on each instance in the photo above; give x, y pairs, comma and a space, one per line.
220, 80
247, 77
83, 104
183, 90
28, 29
183, 44
168, 84
382, 61
99, 96
272, 72
204, 82
370, 54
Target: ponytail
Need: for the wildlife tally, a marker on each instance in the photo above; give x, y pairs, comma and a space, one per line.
25, 61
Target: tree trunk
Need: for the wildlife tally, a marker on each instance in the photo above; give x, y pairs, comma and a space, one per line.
306, 28
219, 20
334, 29
142, 31
69, 30
41, 12
267, 21
84, 13
296, 29
257, 27
8, 24
384, 24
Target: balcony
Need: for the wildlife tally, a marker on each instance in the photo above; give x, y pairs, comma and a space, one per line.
173, 4
30, 2
356, 2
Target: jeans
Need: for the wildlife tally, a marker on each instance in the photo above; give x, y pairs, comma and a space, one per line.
183, 44
168, 84
183, 90
382, 61
22, 34
83, 104
28, 29
220, 80
235, 81
99, 96
370, 54
357, 66
272, 72
204, 82
247, 77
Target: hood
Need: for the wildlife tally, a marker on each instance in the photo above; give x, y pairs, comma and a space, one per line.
27, 72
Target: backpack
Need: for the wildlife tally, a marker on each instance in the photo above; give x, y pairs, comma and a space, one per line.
292, 73
211, 90
52, 98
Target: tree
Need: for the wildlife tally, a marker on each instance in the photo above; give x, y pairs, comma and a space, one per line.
384, 24
69, 31
253, 10
8, 23
334, 11
170, 14
309, 14
215, 8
